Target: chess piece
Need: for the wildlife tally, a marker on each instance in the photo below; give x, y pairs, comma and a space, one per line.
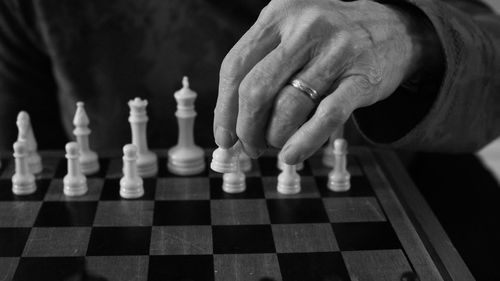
225, 160
26, 133
288, 180
75, 183
89, 162
234, 182
147, 161
186, 158
245, 162
328, 156
339, 177
23, 180
298, 167
131, 184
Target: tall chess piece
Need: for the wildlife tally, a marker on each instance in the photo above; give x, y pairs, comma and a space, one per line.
147, 161
89, 162
75, 183
186, 158
26, 133
23, 180
328, 156
131, 184
288, 180
339, 177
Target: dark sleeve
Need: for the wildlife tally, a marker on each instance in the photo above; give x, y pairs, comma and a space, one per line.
26, 81
455, 106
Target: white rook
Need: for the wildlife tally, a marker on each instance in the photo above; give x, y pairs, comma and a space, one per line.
186, 158
147, 161
23, 180
89, 161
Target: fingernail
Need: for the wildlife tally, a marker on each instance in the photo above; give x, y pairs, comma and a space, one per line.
224, 138
251, 151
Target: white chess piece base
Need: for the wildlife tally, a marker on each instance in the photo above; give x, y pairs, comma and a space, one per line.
339, 183
75, 187
89, 162
147, 164
131, 190
23, 186
186, 161
234, 182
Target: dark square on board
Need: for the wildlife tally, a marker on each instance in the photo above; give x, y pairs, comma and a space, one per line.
116, 241
51, 268
254, 189
242, 239
186, 267
59, 213
111, 189
356, 236
313, 266
12, 241
6, 191
195, 212
296, 211
360, 187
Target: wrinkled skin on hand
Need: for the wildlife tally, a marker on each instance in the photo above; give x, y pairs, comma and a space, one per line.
352, 53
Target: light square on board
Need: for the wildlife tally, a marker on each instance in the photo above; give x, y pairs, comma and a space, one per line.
18, 213
183, 188
55, 191
307, 183
303, 238
181, 240
353, 209
378, 265
57, 241
247, 267
124, 213
119, 268
8, 268
239, 212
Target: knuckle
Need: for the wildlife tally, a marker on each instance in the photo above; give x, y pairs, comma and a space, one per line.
331, 117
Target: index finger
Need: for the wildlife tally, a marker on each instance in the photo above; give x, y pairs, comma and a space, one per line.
255, 44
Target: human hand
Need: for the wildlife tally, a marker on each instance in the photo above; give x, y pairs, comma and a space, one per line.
352, 53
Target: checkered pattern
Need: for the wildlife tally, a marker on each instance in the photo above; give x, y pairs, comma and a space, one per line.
187, 228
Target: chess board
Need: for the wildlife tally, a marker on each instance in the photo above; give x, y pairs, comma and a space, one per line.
187, 228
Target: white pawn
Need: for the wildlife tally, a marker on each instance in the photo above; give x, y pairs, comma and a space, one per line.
339, 177
75, 183
281, 165
89, 162
245, 162
328, 156
26, 133
147, 161
234, 182
23, 181
131, 184
224, 160
288, 180
186, 158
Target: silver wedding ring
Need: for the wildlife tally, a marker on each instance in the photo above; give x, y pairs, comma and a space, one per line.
306, 89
